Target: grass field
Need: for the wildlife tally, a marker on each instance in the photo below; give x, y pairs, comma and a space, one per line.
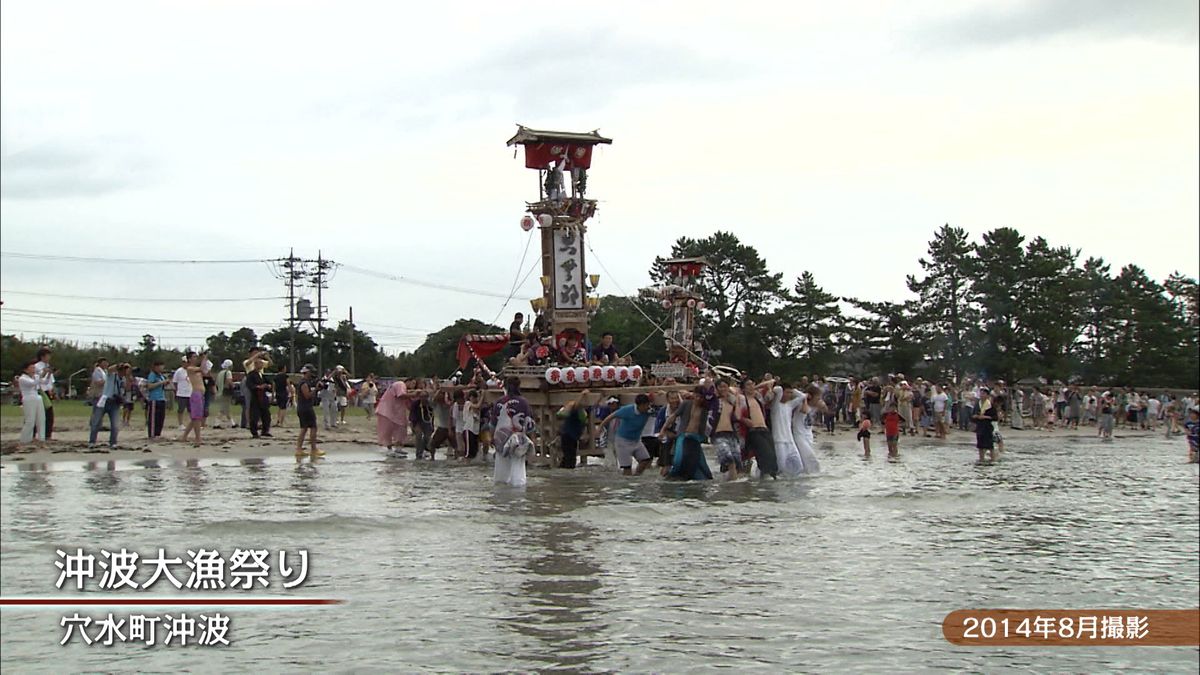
82, 409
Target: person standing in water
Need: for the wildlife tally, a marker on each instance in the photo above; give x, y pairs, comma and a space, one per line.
573, 416
627, 441
985, 418
688, 462
759, 443
1193, 433
306, 413
892, 421
514, 425
801, 423
391, 420
864, 432
724, 438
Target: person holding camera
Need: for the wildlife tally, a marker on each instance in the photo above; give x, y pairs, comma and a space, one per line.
112, 397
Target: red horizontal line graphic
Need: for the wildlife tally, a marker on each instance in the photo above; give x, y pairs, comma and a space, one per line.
161, 602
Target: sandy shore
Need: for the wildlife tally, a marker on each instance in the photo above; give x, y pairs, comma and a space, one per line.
357, 437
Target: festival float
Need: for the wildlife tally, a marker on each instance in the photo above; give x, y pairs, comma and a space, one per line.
563, 312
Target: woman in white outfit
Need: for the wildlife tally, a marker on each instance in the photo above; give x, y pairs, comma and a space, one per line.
784, 403
802, 417
31, 405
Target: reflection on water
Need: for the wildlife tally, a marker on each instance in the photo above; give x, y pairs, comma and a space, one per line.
585, 571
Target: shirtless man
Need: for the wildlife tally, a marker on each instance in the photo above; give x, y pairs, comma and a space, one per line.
195, 377
724, 438
758, 437
692, 466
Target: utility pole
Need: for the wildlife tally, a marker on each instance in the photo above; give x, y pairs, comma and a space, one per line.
351, 342
318, 280
300, 274
291, 279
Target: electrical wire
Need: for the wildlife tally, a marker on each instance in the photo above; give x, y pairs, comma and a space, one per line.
513, 291
635, 305
128, 261
121, 299
186, 322
416, 282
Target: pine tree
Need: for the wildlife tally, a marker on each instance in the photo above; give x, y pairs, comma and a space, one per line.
811, 320
1052, 293
1004, 350
946, 306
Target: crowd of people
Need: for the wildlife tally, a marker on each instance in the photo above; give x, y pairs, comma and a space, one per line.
764, 427
202, 395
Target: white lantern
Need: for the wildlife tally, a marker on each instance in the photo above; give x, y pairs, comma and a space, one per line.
691, 302
568, 375
546, 220
622, 374
635, 373
596, 373
527, 223
700, 305
666, 304
554, 375
610, 373
583, 374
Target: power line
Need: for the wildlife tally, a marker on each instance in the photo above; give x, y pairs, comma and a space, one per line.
633, 302
127, 261
186, 322
49, 333
513, 291
425, 284
122, 299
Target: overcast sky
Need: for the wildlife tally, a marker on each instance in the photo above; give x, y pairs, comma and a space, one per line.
834, 137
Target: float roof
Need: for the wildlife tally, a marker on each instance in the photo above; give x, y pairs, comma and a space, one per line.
527, 135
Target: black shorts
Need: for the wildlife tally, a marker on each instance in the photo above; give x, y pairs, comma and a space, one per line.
308, 418
865, 433
985, 441
182, 403
282, 402
653, 446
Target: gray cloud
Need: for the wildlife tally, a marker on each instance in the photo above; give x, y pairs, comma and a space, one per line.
56, 170
538, 77
1157, 20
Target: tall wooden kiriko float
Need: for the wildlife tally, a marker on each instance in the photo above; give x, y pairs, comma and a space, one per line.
568, 301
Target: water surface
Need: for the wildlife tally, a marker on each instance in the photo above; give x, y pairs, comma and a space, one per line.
852, 570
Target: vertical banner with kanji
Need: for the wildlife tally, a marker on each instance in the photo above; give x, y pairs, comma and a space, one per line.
568, 269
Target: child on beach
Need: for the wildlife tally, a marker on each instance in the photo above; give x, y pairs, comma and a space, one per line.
891, 430
864, 432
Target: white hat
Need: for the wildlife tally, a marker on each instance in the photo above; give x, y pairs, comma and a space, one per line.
614, 399
227, 363
341, 368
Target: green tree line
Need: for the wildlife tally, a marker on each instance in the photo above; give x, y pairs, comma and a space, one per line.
1003, 307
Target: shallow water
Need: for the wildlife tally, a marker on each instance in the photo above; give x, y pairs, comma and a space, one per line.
852, 570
